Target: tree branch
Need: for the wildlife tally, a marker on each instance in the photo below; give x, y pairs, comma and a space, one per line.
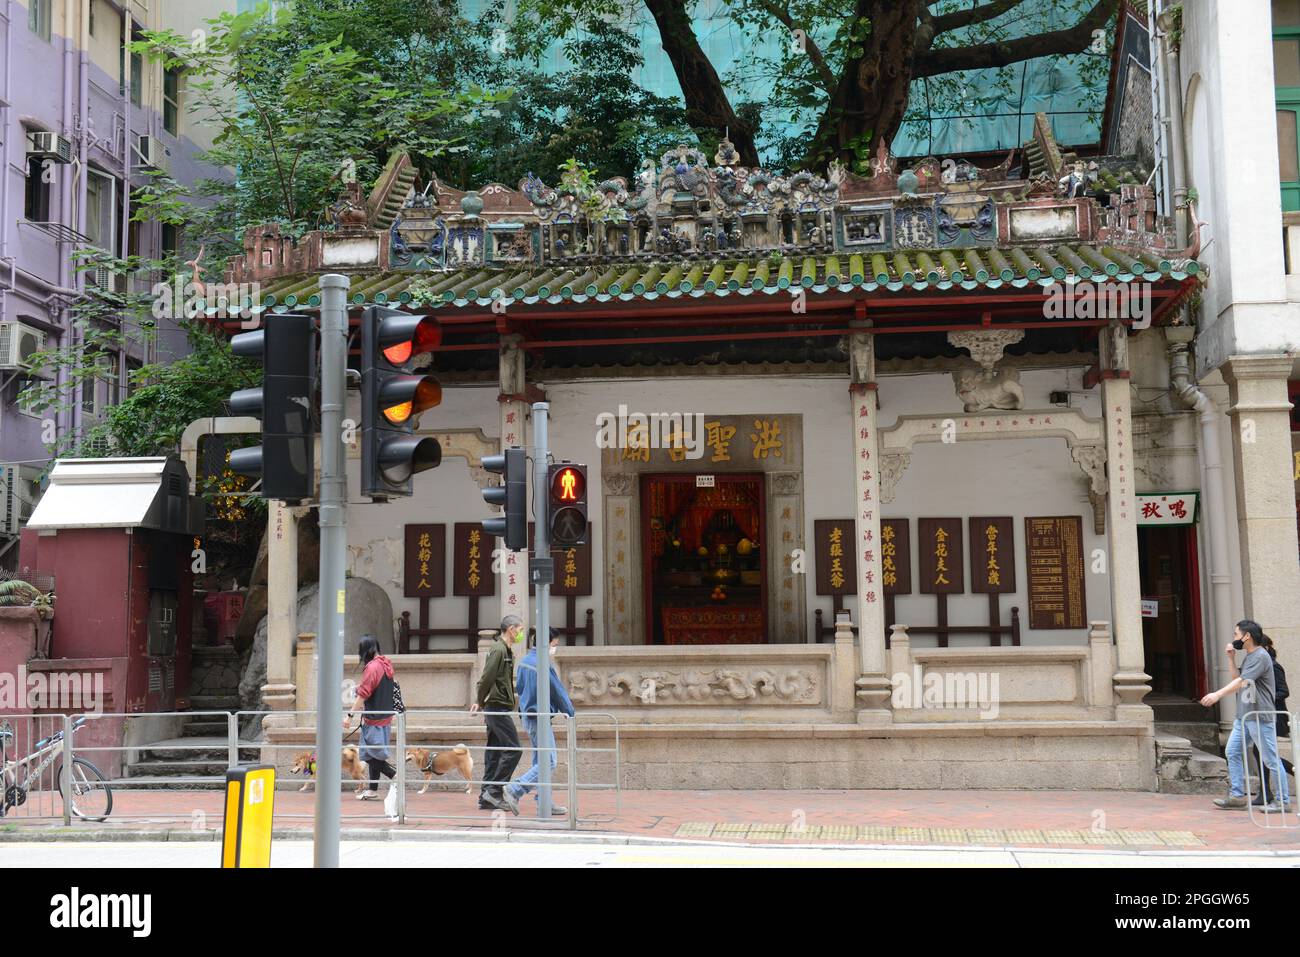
706, 99
985, 55
809, 45
980, 14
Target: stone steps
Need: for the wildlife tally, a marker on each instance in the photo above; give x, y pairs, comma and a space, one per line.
1184, 769
224, 702
1202, 734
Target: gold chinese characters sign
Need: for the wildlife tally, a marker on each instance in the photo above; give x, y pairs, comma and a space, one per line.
895, 556
723, 441
939, 548
1054, 555
834, 556
472, 572
992, 556
425, 561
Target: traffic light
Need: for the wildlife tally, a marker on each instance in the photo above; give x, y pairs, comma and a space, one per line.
566, 486
512, 495
286, 347
391, 400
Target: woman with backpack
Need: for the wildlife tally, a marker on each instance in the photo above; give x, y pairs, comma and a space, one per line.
1280, 694
375, 696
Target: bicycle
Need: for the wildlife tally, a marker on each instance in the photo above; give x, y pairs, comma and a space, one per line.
92, 798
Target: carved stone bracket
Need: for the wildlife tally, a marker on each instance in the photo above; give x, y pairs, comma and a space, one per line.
892, 467
1092, 460
986, 345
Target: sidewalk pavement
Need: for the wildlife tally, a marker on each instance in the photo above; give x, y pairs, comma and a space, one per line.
1049, 819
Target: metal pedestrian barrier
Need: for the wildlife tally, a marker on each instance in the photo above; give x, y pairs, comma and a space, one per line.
1279, 810
34, 749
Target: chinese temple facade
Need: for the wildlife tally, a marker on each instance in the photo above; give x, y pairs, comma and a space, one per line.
889, 482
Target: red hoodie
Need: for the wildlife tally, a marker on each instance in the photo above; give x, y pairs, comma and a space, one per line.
378, 669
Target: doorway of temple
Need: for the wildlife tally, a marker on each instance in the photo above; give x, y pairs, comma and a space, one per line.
703, 551
1171, 615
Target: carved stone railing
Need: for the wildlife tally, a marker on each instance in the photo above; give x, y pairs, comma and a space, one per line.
1026, 683
714, 683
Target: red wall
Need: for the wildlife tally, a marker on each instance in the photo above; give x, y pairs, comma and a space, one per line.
90, 585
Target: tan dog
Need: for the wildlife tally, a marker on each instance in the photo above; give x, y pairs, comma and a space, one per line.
431, 763
353, 767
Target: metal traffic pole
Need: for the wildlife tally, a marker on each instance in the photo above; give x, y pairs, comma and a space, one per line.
333, 559
542, 577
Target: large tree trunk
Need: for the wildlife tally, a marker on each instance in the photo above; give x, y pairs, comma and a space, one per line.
707, 105
869, 100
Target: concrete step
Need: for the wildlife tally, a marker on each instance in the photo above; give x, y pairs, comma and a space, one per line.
1201, 734
195, 749
1175, 709
205, 727
1184, 769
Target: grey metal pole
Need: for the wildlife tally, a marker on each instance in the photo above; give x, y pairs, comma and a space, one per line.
542, 550
333, 557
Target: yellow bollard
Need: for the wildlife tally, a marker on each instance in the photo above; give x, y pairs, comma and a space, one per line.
246, 827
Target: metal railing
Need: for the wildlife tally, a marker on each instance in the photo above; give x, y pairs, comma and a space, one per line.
1276, 812
212, 756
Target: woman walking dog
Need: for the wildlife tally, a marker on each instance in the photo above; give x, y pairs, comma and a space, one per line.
375, 696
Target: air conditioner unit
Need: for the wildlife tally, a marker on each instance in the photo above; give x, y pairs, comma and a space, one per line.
49, 146
107, 279
15, 507
153, 153
17, 344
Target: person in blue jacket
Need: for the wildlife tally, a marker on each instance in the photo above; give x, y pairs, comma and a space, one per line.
526, 693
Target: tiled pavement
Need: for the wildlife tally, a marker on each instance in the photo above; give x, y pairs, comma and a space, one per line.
1116, 819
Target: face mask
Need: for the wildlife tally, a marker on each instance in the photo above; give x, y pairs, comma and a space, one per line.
1238, 644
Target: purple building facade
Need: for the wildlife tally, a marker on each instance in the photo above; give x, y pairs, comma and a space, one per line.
83, 122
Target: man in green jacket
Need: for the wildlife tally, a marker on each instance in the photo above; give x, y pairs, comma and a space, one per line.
496, 699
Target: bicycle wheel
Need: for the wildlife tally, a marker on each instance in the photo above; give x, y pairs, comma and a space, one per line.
92, 798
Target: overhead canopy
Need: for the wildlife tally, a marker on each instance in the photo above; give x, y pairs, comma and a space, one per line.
117, 493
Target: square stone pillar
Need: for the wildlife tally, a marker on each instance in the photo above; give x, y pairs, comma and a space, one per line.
1131, 682
873, 683
1266, 510
512, 567
279, 692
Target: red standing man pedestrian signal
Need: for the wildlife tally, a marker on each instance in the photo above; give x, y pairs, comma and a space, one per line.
567, 508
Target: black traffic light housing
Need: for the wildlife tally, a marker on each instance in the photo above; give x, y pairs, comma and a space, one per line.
566, 501
511, 495
286, 347
392, 398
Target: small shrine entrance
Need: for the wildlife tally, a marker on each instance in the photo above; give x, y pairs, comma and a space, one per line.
1171, 610
703, 539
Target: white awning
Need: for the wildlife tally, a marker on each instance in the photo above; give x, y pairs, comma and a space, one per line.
114, 493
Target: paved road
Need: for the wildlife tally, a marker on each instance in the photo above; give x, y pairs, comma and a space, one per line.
515, 854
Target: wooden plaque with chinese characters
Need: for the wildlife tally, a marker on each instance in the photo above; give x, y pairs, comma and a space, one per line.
472, 563
895, 556
938, 545
425, 561
572, 567
992, 556
1054, 557
834, 556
